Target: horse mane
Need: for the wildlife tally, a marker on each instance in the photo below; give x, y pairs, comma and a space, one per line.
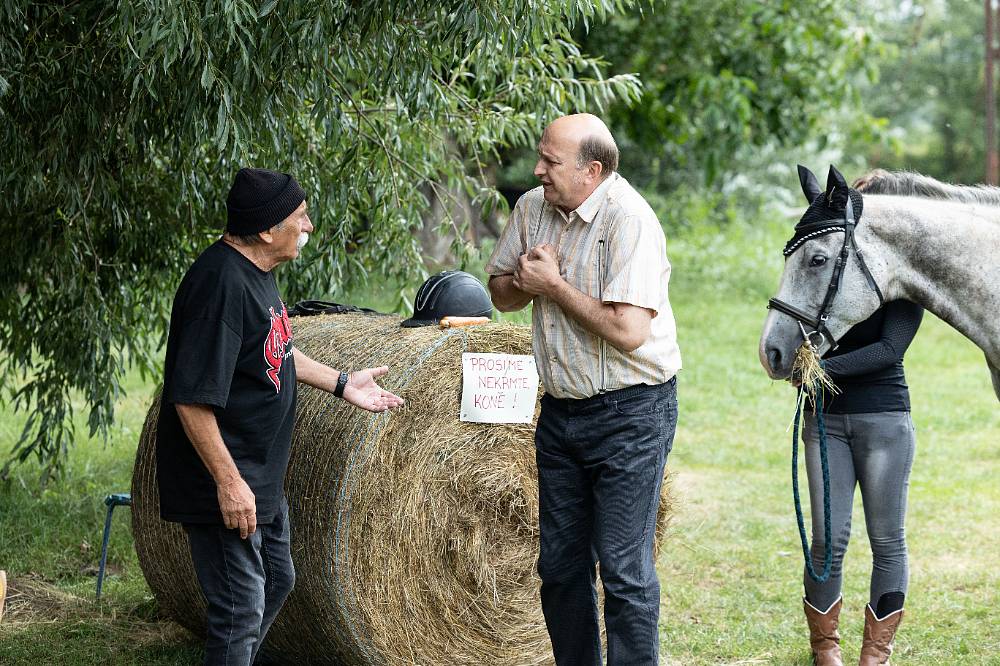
910, 184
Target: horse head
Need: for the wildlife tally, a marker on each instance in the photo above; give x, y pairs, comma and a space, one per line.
826, 287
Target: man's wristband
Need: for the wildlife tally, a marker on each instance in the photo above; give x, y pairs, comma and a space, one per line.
341, 383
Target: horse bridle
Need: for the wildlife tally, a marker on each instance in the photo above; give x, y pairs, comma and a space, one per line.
812, 230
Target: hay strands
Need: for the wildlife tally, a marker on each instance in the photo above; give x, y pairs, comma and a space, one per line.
808, 370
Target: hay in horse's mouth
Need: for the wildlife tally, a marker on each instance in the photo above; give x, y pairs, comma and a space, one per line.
808, 370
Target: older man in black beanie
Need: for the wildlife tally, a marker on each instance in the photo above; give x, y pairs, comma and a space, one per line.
228, 407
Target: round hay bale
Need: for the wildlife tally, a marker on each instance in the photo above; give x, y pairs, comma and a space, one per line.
414, 535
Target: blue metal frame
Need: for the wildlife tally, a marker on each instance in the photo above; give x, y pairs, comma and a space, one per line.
111, 501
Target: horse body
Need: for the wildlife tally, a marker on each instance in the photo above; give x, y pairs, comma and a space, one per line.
943, 254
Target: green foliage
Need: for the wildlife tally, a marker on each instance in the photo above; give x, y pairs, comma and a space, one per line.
930, 88
725, 259
724, 78
123, 124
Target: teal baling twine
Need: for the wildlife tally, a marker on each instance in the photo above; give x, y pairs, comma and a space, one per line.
824, 463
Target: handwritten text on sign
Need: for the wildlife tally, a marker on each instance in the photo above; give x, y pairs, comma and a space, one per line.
498, 388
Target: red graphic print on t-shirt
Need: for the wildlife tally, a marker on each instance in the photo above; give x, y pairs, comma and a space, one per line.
274, 346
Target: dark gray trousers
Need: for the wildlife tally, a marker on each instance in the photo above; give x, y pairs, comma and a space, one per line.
245, 583
875, 453
600, 468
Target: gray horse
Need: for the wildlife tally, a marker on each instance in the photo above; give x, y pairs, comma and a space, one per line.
935, 244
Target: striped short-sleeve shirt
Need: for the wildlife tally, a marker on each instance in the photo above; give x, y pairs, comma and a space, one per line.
611, 248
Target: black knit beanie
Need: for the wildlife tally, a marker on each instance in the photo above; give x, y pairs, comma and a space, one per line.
259, 199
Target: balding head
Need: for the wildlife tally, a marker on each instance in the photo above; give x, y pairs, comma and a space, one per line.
576, 153
592, 139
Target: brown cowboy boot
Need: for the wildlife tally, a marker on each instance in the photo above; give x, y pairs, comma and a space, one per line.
824, 639
877, 645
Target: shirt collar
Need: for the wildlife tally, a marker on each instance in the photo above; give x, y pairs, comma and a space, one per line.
587, 211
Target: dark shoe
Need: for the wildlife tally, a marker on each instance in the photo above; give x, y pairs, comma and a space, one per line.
824, 639
879, 634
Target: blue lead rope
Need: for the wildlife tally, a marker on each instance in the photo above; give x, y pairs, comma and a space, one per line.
824, 463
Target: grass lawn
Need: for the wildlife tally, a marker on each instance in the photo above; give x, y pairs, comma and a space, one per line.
731, 569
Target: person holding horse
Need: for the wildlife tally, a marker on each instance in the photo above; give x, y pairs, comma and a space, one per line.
870, 443
588, 251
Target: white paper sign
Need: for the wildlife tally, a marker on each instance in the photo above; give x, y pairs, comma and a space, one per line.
498, 388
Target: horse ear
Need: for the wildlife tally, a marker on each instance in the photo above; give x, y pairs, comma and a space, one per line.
810, 186
835, 179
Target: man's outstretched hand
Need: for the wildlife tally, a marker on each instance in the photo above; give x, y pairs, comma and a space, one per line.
362, 391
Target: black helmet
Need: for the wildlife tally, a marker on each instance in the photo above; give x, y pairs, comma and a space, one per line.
449, 294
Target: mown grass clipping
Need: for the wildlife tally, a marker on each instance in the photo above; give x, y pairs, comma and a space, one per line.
414, 535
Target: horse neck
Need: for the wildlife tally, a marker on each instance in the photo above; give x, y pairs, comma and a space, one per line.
946, 257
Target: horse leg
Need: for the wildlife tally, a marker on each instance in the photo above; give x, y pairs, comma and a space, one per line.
996, 377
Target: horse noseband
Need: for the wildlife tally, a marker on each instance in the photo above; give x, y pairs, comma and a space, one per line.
817, 324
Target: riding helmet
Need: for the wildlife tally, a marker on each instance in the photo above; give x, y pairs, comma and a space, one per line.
449, 294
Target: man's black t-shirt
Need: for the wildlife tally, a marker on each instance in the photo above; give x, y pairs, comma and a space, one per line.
229, 347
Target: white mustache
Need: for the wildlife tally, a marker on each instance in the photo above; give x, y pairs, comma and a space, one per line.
302, 240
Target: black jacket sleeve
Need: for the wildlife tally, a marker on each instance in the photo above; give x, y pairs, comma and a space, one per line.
902, 319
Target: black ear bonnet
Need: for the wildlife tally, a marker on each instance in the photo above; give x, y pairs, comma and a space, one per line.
827, 213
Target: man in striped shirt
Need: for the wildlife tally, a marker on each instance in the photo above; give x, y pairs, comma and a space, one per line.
588, 252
